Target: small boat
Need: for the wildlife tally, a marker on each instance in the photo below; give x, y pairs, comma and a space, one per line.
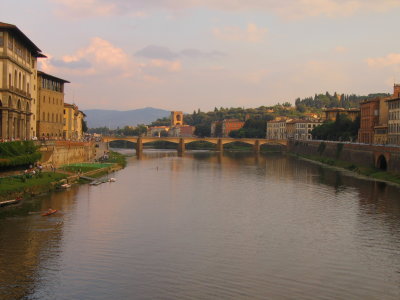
95, 183
112, 180
49, 212
9, 202
65, 186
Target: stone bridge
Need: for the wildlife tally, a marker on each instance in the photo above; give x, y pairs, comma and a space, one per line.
182, 141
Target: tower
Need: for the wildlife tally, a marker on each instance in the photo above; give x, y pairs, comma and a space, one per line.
176, 118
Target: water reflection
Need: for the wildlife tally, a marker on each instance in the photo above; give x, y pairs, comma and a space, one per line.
209, 225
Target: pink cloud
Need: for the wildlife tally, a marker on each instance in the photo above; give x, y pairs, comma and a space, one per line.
392, 59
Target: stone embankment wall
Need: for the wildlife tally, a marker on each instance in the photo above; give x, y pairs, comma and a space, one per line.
64, 152
358, 154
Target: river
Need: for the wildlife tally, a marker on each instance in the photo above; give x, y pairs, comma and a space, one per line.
209, 226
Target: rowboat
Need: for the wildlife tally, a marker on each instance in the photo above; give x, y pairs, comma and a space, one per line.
65, 186
9, 202
49, 212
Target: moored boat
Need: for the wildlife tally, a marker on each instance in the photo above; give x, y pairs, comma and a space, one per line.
49, 212
9, 202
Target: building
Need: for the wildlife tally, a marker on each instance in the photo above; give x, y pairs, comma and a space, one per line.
80, 118
176, 118
229, 125
216, 129
18, 73
369, 118
394, 121
50, 106
157, 130
73, 119
277, 129
181, 131
301, 129
332, 113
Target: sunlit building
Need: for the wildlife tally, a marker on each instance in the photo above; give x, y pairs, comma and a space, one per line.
73, 122
50, 106
229, 125
18, 74
332, 113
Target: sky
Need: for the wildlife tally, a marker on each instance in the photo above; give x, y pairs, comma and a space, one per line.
191, 54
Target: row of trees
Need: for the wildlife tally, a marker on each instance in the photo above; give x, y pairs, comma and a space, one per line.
327, 100
127, 130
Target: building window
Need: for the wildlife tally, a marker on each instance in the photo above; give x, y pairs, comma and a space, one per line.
1, 39
10, 42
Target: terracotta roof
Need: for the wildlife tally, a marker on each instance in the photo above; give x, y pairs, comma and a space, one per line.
28, 43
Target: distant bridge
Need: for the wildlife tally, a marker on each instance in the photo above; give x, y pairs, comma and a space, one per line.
182, 141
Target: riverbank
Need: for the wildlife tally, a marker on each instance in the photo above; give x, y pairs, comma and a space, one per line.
351, 168
30, 186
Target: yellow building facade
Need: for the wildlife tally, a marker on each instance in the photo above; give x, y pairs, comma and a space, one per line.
18, 73
50, 108
73, 120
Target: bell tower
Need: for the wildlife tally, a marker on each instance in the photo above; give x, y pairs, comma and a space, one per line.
176, 118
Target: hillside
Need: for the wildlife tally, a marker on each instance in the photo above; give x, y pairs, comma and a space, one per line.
115, 118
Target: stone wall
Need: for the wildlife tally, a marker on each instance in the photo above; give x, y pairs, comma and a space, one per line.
63, 152
358, 154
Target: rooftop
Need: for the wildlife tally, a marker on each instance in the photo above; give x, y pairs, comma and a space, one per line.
43, 74
28, 43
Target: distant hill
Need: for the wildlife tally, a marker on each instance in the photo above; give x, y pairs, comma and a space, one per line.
115, 118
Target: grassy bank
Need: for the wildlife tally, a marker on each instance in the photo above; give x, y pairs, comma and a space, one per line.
360, 170
12, 185
85, 167
28, 186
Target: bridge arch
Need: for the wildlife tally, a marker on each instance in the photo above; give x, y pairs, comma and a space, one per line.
381, 162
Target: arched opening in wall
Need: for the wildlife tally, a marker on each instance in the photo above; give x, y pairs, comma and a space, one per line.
1, 121
27, 107
19, 81
15, 79
19, 104
382, 163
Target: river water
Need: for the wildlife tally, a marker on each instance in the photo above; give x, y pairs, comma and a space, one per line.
209, 226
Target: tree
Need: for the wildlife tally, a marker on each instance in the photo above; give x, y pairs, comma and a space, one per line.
203, 130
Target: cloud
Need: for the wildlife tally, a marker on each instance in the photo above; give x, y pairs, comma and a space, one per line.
159, 64
164, 53
251, 33
194, 53
392, 59
292, 9
78, 64
103, 59
157, 52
